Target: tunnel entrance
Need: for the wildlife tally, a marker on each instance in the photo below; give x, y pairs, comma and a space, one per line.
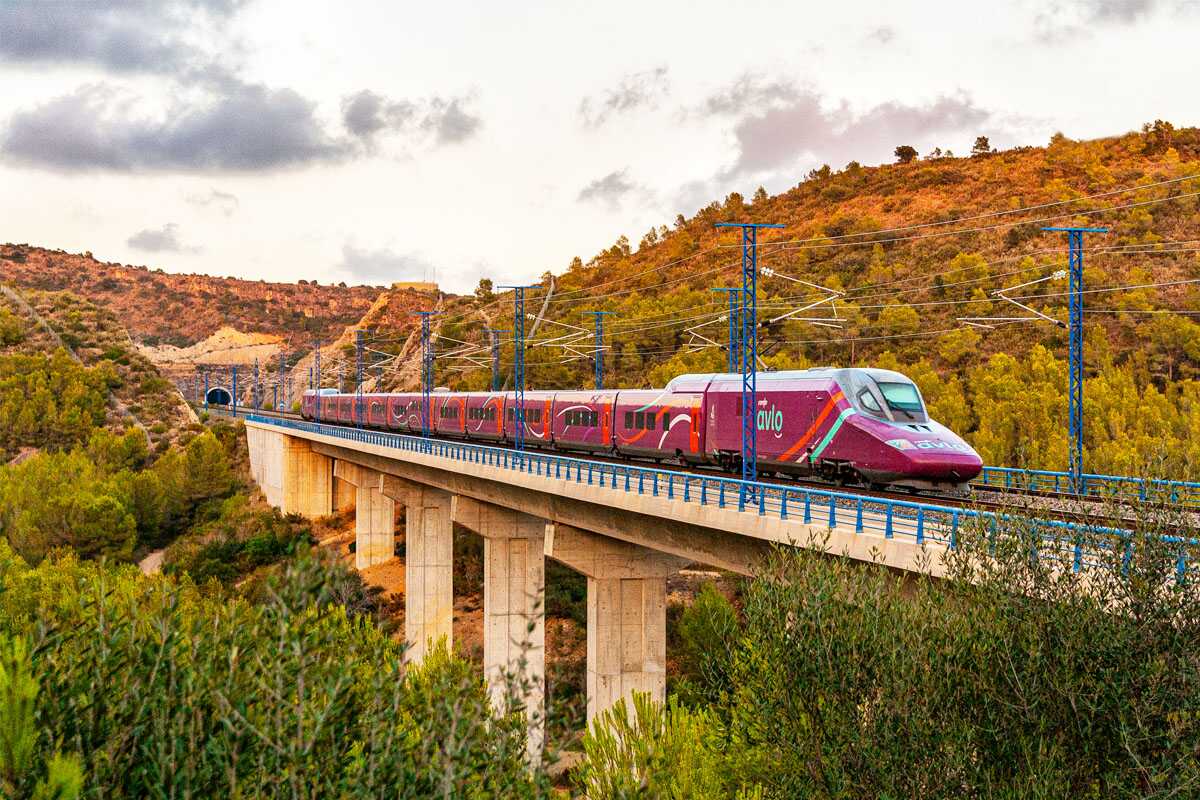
218, 396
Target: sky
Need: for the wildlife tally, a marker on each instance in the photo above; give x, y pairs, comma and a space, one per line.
372, 142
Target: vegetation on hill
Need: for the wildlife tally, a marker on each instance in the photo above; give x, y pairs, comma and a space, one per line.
1014, 679
912, 247
69, 366
105, 499
183, 309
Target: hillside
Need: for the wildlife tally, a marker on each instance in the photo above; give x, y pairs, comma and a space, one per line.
909, 248
913, 247
181, 310
58, 350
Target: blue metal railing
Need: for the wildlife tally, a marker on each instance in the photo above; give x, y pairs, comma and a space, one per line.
1185, 493
1065, 542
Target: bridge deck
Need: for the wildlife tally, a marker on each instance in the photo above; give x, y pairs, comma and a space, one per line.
687, 514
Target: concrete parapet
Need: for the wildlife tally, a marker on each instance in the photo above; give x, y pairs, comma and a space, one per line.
514, 577
626, 613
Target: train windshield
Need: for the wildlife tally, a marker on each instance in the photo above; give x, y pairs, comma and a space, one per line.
901, 397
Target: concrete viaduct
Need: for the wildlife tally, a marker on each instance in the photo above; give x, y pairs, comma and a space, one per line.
625, 527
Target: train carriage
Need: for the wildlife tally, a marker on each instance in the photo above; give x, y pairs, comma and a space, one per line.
375, 410
485, 416
449, 414
538, 407
660, 424
582, 421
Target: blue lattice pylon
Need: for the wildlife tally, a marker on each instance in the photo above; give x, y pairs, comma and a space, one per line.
1075, 352
749, 351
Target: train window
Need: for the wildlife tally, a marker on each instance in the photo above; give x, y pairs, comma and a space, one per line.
510, 415
492, 413
628, 419
639, 420
868, 401
649, 420
901, 396
595, 418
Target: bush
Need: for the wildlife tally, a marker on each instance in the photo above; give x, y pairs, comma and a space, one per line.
708, 631
12, 331
237, 542
661, 752
1014, 678
164, 691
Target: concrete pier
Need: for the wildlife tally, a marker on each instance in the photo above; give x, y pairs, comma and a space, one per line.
626, 613
514, 622
428, 567
293, 478
374, 514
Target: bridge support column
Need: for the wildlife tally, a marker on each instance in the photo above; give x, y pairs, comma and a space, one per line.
344, 495
626, 613
374, 513
428, 570
514, 621
307, 480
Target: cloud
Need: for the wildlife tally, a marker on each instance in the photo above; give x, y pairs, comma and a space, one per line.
383, 265
780, 130
451, 123
129, 36
163, 240
1061, 19
224, 202
367, 114
245, 128
746, 93
634, 91
801, 128
608, 190
883, 35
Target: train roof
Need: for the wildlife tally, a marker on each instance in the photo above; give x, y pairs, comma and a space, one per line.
700, 380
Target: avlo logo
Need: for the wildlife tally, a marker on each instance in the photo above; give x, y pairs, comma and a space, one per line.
770, 419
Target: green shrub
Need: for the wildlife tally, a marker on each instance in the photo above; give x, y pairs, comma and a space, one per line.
166, 692
12, 330
20, 759
670, 752
1014, 678
236, 543
708, 631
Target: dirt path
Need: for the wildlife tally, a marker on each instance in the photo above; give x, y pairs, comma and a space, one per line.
152, 563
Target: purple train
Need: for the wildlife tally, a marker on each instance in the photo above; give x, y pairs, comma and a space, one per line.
866, 426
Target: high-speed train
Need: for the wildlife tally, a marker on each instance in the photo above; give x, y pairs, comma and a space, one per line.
867, 426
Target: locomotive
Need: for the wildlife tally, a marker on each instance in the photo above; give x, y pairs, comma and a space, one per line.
846, 425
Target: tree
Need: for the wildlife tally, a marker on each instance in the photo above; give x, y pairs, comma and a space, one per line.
760, 196
981, 147
905, 153
483, 292
11, 329
1158, 136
